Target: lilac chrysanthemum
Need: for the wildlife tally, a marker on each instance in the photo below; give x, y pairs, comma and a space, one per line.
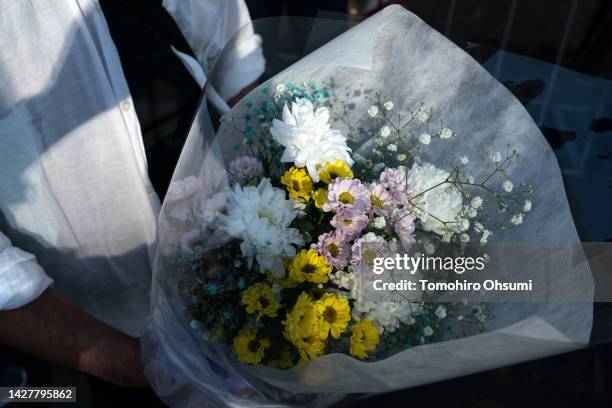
349, 223
344, 193
403, 224
381, 200
394, 179
334, 248
245, 170
367, 248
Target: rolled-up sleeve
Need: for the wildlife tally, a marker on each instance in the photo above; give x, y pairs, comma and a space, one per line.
223, 40
21, 278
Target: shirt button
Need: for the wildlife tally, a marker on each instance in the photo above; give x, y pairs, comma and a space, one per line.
125, 105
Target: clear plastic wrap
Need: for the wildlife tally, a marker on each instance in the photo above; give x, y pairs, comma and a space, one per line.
396, 52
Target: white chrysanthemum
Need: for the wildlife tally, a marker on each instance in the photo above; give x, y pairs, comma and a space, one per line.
384, 314
443, 202
373, 111
388, 105
308, 138
425, 138
392, 147
184, 188
260, 217
428, 331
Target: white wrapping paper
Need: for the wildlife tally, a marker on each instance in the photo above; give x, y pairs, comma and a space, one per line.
393, 51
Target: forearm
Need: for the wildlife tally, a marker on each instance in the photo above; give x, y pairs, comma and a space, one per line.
57, 331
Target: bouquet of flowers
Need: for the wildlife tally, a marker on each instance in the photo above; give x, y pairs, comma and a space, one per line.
303, 216
273, 224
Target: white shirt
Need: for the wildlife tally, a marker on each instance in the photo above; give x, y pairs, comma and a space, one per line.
76, 205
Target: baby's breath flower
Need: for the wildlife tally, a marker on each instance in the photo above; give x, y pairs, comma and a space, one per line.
380, 222
392, 147
280, 88
527, 206
464, 160
429, 248
388, 105
472, 212
373, 111
517, 219
485, 236
446, 133
476, 202
508, 186
422, 116
496, 157
425, 139
385, 131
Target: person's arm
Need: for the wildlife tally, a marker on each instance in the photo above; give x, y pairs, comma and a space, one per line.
37, 320
53, 329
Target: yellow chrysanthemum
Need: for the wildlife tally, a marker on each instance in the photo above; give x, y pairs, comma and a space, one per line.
309, 265
304, 329
320, 197
298, 184
302, 322
364, 339
248, 348
335, 313
260, 299
311, 348
332, 170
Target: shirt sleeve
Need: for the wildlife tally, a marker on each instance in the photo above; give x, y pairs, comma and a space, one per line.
21, 278
222, 38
